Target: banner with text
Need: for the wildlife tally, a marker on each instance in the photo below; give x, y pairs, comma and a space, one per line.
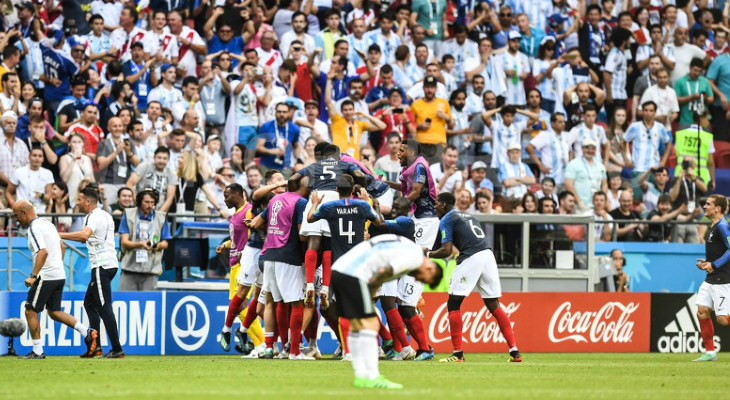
547, 322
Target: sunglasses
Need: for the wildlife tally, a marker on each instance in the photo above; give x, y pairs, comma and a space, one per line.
297, 48
505, 15
230, 175
225, 31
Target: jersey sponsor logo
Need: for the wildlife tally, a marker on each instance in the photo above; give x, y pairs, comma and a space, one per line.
187, 330
478, 326
612, 323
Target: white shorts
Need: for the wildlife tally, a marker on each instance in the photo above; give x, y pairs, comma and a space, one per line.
288, 280
386, 199
409, 290
321, 227
388, 289
427, 229
250, 272
716, 297
480, 271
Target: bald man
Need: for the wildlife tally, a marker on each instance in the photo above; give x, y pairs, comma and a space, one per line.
115, 157
46, 281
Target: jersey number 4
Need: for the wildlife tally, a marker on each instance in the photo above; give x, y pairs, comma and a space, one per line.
350, 233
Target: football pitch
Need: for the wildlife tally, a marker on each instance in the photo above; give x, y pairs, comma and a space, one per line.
540, 376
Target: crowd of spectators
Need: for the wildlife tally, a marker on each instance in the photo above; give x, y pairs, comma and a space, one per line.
520, 106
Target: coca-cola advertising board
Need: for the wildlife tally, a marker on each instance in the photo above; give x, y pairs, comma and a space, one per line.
547, 322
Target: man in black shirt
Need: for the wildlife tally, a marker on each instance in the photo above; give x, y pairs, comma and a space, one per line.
714, 293
628, 232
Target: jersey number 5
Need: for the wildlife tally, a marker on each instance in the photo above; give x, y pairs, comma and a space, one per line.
327, 170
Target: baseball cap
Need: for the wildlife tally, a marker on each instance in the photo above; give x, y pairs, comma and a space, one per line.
589, 142
165, 67
212, 138
311, 102
429, 81
557, 19
27, 5
478, 165
514, 146
514, 35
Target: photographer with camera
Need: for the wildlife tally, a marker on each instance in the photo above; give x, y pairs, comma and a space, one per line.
697, 142
143, 237
686, 190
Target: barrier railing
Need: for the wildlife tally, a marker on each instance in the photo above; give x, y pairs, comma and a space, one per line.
518, 269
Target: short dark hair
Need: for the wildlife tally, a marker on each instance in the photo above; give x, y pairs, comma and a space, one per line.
330, 150
354, 80
563, 195
162, 149
320, 147
95, 17
271, 173
590, 107
8, 75
386, 69
188, 80
664, 198
547, 178
648, 103
620, 35
697, 62
10, 51
177, 132
345, 183
345, 103
446, 198
235, 188
90, 193
553, 118
541, 203
720, 201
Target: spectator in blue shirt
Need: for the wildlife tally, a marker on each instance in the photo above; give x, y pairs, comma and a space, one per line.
223, 38
479, 181
278, 139
59, 68
137, 72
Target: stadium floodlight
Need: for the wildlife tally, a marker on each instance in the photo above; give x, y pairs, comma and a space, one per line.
11, 328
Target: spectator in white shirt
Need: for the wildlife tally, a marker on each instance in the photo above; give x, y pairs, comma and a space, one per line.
31, 182
665, 98
446, 174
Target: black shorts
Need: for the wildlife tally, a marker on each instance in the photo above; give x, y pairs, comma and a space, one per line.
45, 295
352, 295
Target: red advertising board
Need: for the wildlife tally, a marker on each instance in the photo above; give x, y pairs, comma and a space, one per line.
547, 322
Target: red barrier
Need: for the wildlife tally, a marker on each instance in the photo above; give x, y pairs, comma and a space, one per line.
547, 322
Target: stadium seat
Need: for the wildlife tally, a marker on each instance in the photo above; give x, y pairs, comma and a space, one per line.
722, 154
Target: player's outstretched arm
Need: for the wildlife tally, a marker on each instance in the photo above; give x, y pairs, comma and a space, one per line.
79, 236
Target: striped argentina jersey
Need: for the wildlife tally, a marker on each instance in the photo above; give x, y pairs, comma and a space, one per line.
519, 64
616, 65
579, 133
646, 144
365, 259
554, 152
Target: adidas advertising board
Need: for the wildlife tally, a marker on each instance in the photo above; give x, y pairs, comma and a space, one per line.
674, 325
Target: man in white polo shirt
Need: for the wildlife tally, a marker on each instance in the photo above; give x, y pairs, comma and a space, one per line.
46, 281
98, 234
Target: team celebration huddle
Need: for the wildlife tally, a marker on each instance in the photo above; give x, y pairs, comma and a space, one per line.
331, 241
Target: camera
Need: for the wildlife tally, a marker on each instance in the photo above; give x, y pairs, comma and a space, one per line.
398, 110
686, 165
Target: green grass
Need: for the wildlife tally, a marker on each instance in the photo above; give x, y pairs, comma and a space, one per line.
483, 376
